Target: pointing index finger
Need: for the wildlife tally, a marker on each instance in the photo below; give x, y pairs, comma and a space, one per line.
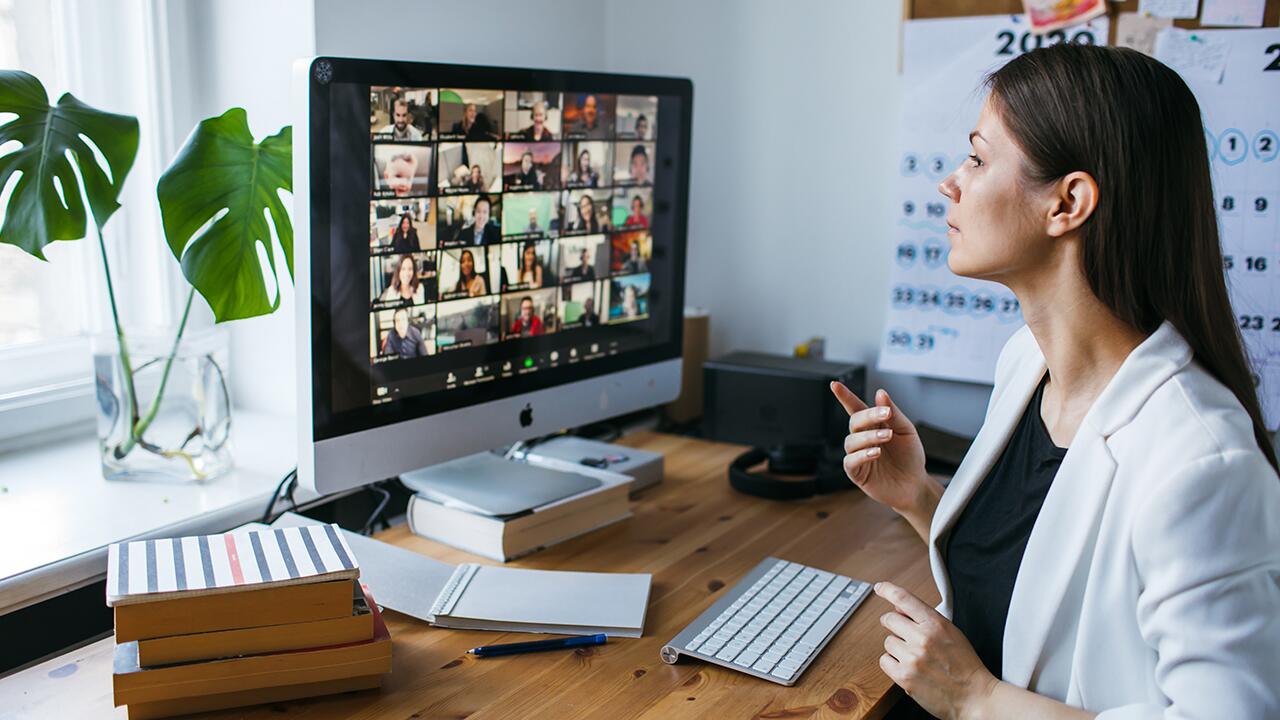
850, 402
906, 603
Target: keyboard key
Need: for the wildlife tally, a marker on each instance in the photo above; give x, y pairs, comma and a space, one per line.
762, 665
747, 658
816, 634
784, 673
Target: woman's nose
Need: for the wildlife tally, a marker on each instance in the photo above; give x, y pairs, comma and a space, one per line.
950, 188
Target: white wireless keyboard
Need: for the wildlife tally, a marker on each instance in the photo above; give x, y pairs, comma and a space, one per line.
773, 623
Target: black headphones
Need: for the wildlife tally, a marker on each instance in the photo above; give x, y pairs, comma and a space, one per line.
828, 477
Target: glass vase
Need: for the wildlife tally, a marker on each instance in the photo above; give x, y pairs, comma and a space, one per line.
170, 419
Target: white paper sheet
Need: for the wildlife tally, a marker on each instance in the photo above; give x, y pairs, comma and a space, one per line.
1139, 31
1233, 13
1183, 9
1193, 53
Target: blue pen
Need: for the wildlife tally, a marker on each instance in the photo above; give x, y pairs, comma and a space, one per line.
538, 645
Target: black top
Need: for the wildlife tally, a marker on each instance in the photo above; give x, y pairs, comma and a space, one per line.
985, 546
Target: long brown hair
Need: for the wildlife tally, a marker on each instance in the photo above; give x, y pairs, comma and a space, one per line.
1151, 250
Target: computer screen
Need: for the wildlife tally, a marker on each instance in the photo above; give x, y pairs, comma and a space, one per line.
478, 233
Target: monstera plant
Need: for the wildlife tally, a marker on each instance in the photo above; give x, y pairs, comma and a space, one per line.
71, 161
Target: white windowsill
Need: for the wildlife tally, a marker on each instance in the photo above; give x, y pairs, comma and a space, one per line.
58, 514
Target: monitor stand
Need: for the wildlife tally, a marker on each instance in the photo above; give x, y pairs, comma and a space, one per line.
490, 483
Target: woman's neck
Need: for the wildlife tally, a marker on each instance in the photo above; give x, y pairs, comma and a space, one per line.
1083, 342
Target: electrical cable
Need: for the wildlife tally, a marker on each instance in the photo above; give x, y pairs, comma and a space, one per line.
291, 480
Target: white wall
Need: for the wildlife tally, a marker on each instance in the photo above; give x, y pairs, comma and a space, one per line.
241, 53
794, 121
793, 150
565, 34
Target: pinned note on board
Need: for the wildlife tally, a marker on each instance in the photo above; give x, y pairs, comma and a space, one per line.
1046, 15
1233, 13
1193, 54
1174, 9
1139, 31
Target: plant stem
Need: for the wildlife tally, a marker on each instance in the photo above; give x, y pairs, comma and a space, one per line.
125, 363
141, 425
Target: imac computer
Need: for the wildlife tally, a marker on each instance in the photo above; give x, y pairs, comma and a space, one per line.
484, 255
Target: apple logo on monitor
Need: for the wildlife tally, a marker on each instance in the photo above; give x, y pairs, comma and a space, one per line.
526, 415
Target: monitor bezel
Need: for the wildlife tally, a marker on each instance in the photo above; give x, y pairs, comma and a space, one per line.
324, 422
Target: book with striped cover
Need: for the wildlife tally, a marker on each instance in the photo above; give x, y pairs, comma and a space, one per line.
148, 570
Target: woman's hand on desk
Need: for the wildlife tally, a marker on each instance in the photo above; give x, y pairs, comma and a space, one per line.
928, 656
931, 659
884, 457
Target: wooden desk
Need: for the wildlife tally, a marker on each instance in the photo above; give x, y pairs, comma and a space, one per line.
694, 534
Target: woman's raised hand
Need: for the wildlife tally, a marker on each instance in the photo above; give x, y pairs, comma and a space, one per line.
883, 452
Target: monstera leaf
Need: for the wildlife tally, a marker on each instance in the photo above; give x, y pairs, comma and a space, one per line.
214, 199
46, 203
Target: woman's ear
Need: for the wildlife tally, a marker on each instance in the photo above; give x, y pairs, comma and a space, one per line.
1075, 197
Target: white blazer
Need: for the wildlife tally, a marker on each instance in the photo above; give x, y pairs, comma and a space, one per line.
1150, 586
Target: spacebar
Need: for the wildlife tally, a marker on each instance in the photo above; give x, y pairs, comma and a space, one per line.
819, 629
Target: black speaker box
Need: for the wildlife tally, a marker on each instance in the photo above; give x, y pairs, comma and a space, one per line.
784, 407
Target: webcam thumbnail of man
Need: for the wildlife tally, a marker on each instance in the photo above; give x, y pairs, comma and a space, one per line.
402, 114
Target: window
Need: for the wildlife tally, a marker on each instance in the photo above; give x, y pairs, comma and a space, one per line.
107, 54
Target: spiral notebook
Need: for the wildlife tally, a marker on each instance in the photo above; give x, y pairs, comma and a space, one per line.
486, 597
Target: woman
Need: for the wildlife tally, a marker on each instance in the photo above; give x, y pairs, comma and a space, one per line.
1111, 542
405, 237
630, 303
538, 130
583, 175
469, 281
476, 182
637, 218
405, 288
530, 268
587, 220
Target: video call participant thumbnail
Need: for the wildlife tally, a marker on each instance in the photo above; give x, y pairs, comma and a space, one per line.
631, 252
470, 114
464, 273
526, 265
403, 333
402, 280
633, 163
529, 216
588, 164
529, 313
637, 117
632, 208
580, 304
584, 257
531, 166
401, 170
589, 115
470, 167
628, 298
470, 220
404, 114
402, 226
533, 116
588, 212
467, 323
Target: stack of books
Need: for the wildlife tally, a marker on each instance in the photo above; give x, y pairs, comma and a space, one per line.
247, 617
505, 537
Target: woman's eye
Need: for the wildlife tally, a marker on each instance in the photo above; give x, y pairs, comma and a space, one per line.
977, 161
